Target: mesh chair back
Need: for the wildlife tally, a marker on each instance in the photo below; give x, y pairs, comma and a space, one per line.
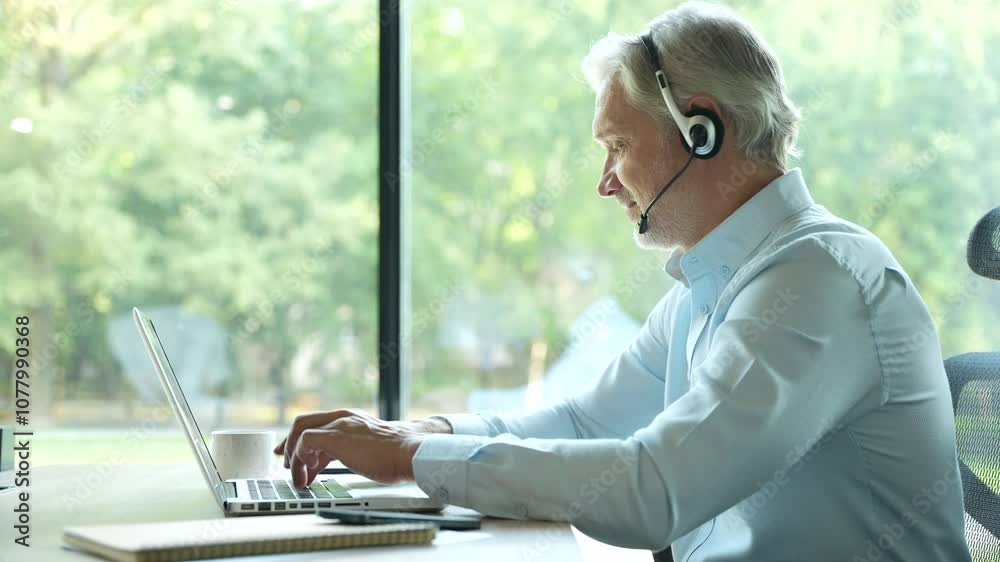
975, 391
975, 394
983, 251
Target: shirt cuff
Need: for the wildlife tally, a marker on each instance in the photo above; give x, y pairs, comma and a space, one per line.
441, 466
467, 424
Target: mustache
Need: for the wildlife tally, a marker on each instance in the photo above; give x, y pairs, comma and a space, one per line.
625, 197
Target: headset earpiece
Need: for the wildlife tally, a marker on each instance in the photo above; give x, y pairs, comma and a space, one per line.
706, 132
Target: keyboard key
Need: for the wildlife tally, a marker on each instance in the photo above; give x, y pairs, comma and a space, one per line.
266, 490
284, 490
336, 489
295, 493
319, 491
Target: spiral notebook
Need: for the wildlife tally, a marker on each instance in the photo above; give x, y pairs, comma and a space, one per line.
243, 536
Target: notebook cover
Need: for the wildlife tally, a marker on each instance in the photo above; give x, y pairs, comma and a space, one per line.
240, 536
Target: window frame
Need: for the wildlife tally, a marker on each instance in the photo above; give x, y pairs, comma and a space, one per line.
391, 352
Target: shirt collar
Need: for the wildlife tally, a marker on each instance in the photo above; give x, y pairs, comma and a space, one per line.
723, 250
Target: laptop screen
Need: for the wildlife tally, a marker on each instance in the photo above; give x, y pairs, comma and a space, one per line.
179, 404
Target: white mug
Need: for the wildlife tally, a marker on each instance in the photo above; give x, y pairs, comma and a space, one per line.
243, 453
7, 448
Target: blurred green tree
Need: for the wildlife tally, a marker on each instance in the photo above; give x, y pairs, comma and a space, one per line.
222, 156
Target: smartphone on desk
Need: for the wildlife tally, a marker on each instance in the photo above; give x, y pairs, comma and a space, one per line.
366, 517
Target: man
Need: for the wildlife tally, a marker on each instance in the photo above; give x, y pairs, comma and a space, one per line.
778, 404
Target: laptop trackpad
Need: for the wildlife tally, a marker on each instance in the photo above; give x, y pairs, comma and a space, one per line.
361, 486
396, 491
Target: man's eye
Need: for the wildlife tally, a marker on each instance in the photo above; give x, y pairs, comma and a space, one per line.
618, 147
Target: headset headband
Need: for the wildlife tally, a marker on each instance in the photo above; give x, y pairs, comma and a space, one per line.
701, 121
654, 59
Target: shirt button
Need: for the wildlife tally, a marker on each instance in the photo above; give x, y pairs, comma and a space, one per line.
704, 309
725, 270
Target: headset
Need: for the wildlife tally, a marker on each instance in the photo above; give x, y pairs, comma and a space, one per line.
701, 129
701, 125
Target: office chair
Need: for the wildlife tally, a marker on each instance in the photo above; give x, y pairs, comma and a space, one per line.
975, 392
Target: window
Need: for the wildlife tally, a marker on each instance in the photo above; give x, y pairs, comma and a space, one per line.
525, 285
212, 163
216, 164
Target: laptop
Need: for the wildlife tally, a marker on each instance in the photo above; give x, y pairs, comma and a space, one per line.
267, 495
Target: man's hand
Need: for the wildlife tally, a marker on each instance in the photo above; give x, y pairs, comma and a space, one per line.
377, 449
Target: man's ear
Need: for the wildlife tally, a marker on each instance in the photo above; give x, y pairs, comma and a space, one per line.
704, 102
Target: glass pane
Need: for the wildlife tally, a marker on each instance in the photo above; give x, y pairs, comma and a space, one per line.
212, 163
525, 284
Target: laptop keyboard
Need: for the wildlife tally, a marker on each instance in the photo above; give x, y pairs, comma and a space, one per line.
284, 490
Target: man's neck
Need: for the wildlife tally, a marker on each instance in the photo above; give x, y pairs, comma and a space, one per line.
720, 198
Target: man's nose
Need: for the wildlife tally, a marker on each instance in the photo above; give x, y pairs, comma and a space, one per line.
609, 185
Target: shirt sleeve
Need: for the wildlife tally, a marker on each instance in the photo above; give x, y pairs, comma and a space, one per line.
778, 373
626, 397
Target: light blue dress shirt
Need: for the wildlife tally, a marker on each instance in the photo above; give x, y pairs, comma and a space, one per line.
785, 400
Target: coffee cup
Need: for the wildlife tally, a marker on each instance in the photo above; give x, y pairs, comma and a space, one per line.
6, 447
243, 453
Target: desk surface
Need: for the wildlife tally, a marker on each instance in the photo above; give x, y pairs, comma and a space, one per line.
68, 495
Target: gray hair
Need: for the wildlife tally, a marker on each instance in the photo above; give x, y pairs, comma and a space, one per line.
707, 49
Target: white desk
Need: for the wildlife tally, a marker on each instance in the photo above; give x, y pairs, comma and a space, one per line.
67, 495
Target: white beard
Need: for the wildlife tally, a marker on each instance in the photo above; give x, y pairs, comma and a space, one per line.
672, 220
